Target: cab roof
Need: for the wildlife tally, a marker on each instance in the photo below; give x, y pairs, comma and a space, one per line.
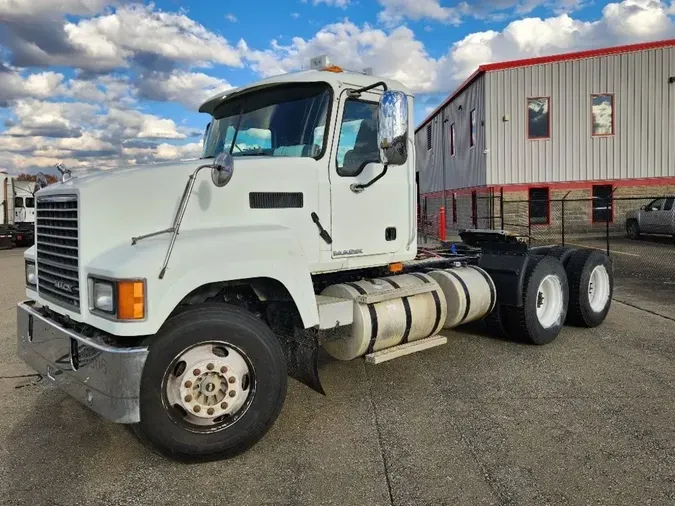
305, 76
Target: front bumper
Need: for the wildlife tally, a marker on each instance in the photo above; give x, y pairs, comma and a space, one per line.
103, 377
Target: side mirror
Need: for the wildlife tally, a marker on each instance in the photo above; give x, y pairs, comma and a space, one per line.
222, 169
392, 131
643, 208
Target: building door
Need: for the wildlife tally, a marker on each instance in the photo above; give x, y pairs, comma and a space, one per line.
474, 209
374, 220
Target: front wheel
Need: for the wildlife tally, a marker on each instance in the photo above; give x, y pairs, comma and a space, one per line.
213, 384
632, 229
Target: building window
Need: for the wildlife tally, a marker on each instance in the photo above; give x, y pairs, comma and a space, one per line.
540, 206
452, 140
428, 136
602, 115
454, 208
472, 118
602, 203
538, 118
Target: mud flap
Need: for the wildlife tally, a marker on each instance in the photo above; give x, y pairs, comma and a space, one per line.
301, 346
302, 359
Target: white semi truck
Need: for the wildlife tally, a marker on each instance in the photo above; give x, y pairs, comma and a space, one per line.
17, 209
184, 313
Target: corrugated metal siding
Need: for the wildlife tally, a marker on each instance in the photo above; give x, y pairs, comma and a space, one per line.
467, 167
644, 116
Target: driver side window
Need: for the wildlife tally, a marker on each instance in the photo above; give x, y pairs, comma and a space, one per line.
656, 205
358, 138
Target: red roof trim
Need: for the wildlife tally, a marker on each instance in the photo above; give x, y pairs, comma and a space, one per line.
579, 55
528, 62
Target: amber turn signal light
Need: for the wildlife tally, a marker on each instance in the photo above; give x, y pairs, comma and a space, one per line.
130, 300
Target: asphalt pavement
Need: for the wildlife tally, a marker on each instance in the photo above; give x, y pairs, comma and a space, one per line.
587, 419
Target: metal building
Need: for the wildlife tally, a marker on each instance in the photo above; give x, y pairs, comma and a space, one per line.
585, 121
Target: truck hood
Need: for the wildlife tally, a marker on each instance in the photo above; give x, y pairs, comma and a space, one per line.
119, 204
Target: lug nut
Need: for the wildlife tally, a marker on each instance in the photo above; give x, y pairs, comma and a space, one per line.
197, 409
223, 369
209, 367
231, 379
209, 411
188, 384
188, 398
196, 372
232, 393
223, 405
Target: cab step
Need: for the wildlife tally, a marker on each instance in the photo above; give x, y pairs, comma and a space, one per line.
405, 349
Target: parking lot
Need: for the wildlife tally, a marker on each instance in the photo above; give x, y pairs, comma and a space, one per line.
587, 419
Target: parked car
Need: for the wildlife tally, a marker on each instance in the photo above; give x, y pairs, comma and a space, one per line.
657, 217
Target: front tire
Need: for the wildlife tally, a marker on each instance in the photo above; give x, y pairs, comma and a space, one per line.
632, 229
545, 299
213, 384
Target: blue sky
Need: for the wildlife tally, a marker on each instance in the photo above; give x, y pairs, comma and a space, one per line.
99, 83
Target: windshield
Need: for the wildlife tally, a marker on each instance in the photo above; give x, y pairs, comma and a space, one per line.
283, 120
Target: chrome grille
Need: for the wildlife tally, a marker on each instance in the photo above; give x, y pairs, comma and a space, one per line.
57, 245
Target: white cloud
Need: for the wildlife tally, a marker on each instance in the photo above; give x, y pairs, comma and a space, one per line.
17, 8
39, 85
139, 32
85, 90
231, 17
333, 3
295, 15
159, 128
397, 54
188, 88
394, 11
621, 23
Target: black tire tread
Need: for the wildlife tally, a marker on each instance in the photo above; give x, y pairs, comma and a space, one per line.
575, 267
517, 317
236, 316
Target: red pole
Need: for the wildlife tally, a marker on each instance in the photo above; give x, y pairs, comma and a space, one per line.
441, 224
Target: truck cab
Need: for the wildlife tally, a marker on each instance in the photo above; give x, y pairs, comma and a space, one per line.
304, 175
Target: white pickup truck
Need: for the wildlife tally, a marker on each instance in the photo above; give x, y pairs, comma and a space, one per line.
184, 314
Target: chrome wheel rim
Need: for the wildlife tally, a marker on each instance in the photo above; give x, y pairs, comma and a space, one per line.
208, 386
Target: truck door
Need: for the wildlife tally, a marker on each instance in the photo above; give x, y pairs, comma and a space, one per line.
651, 216
376, 219
666, 217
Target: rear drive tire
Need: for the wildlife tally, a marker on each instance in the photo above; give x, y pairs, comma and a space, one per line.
591, 283
495, 322
213, 384
562, 253
545, 300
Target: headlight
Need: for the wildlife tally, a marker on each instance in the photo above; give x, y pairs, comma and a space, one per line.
31, 276
103, 296
121, 299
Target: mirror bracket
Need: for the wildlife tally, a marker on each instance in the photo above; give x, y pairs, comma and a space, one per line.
357, 92
358, 188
